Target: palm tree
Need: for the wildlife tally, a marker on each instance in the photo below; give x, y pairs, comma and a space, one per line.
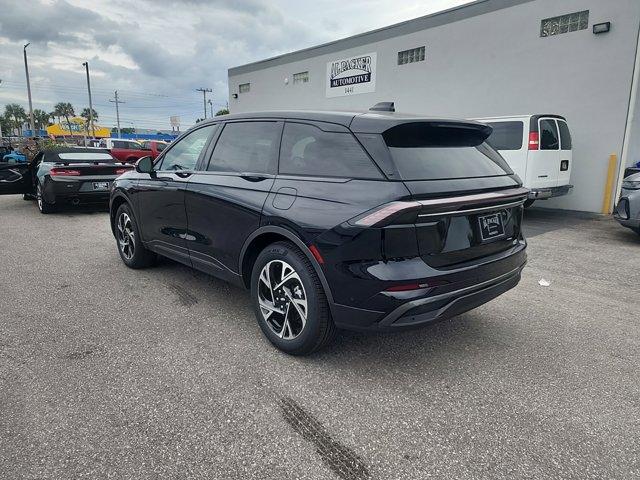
41, 118
87, 117
17, 114
64, 109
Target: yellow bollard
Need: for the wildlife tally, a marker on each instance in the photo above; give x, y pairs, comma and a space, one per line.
608, 187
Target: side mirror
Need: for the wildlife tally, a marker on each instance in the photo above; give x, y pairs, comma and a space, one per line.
144, 165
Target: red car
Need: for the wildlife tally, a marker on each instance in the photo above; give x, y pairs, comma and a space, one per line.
124, 150
154, 146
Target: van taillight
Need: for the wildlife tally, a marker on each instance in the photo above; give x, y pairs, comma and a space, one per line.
64, 172
534, 141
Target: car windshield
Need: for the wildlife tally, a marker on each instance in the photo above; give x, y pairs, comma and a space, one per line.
434, 152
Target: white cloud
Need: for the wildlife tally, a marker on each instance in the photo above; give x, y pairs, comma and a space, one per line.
156, 53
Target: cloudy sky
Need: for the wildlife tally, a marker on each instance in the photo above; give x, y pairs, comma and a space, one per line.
157, 52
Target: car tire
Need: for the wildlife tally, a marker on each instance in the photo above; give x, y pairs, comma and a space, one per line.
301, 294
132, 252
528, 203
44, 206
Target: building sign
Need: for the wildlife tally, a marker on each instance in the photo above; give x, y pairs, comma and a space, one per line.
351, 76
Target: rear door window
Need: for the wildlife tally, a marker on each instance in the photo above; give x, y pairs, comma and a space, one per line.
247, 147
565, 136
549, 139
506, 135
308, 150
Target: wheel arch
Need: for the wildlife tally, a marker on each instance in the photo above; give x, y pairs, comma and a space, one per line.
267, 235
117, 200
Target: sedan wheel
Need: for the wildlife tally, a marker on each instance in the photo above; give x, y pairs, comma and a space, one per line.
43, 206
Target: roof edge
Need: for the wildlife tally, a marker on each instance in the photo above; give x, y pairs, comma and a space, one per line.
442, 17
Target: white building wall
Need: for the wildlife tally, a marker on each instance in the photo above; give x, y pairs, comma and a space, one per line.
491, 65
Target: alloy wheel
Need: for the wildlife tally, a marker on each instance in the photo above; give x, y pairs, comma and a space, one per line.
126, 236
282, 299
39, 196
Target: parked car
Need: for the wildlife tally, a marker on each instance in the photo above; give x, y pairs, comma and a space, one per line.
124, 150
369, 221
63, 175
154, 147
627, 212
538, 149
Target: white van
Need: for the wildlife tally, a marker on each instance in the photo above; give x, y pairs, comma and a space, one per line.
538, 149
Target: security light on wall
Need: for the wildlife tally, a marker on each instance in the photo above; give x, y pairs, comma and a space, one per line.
235, 95
601, 27
286, 80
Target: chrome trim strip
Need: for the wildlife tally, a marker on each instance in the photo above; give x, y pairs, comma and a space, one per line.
498, 206
514, 192
402, 309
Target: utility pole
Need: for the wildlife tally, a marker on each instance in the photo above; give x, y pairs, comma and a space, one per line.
93, 129
116, 101
26, 69
211, 107
204, 94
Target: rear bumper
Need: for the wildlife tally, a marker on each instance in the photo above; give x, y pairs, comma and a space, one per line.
429, 309
76, 190
544, 193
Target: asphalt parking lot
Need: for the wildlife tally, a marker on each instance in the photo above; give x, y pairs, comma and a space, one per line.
107, 372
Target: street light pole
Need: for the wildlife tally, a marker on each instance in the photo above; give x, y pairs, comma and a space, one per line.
211, 107
93, 129
26, 69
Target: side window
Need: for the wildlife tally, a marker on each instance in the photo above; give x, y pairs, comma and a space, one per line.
565, 136
506, 135
184, 154
548, 135
159, 146
307, 150
250, 147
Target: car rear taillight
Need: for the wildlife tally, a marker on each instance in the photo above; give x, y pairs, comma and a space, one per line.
384, 213
64, 172
534, 140
120, 171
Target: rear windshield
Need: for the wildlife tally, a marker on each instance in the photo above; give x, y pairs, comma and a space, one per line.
506, 135
433, 153
78, 157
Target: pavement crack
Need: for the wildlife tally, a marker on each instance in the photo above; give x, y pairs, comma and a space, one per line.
343, 461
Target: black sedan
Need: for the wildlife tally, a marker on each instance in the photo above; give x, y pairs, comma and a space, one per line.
64, 175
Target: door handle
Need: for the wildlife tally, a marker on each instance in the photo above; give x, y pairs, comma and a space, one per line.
253, 177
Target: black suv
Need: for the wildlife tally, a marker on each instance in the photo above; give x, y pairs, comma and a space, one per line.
369, 221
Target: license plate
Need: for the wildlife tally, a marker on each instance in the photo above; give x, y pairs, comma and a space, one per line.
101, 185
491, 226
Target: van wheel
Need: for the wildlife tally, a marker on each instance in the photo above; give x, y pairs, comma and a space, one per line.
528, 203
289, 301
132, 252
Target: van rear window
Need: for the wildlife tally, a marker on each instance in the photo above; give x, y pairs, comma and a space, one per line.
433, 152
506, 135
